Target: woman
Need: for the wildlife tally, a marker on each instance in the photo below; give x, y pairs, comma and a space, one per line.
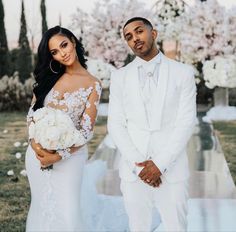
62, 82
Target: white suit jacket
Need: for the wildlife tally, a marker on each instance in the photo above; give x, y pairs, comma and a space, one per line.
171, 125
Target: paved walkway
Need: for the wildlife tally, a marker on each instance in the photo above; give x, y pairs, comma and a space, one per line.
210, 175
212, 204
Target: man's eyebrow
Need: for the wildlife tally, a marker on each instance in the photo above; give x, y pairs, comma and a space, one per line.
135, 29
127, 34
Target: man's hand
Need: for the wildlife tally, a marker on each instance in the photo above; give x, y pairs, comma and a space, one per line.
155, 183
150, 173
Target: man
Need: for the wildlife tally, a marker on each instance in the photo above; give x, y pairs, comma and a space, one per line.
151, 117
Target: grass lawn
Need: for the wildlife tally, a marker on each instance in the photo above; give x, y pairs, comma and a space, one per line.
14, 190
226, 132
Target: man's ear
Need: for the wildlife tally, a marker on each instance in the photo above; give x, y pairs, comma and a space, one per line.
154, 33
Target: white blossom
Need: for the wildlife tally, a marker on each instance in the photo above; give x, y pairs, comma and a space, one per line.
101, 70
23, 172
10, 173
102, 30
14, 94
230, 30
18, 155
206, 32
5, 131
220, 71
169, 19
25, 144
17, 144
54, 129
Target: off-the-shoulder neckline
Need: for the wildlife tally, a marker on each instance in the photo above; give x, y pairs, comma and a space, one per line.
72, 92
77, 90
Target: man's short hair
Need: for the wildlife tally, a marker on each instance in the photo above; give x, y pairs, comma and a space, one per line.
145, 21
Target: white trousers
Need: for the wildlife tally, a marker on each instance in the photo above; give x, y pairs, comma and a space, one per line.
170, 200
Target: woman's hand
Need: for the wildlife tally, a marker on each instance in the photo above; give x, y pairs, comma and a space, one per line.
45, 157
35, 146
48, 157
74, 149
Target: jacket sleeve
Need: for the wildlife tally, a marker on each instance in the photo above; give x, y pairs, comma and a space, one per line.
117, 127
184, 124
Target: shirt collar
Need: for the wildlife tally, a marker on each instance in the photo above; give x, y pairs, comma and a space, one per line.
154, 60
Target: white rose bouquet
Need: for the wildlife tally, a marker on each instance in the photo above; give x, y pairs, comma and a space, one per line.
54, 129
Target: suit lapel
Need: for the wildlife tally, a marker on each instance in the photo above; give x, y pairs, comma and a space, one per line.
133, 95
159, 97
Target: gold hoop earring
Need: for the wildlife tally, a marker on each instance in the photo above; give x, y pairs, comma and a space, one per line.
50, 66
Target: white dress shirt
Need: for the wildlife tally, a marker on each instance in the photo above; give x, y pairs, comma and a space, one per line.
148, 79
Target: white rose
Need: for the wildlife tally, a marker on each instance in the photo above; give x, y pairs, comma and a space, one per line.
18, 155
25, 144
54, 129
23, 172
78, 139
17, 144
10, 173
50, 119
67, 139
39, 114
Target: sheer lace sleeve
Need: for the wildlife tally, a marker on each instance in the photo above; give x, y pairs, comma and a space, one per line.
89, 115
31, 111
81, 105
30, 114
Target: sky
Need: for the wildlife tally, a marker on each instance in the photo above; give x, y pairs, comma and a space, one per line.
54, 8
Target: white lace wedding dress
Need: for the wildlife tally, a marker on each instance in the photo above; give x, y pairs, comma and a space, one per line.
55, 194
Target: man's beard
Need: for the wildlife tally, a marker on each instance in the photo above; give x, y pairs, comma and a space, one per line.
148, 50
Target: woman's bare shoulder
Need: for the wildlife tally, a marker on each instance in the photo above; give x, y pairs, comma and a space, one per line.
92, 80
63, 84
70, 83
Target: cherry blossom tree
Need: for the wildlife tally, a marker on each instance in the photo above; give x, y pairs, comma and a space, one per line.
209, 31
169, 20
205, 33
101, 31
231, 28
101, 70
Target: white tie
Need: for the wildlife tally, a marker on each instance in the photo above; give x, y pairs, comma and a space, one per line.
149, 87
149, 80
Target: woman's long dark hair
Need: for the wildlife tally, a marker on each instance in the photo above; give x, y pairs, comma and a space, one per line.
44, 76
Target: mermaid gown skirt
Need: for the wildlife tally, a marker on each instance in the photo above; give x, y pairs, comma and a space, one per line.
55, 194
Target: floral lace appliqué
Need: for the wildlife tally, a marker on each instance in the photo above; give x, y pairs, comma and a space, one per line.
98, 89
75, 105
86, 126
